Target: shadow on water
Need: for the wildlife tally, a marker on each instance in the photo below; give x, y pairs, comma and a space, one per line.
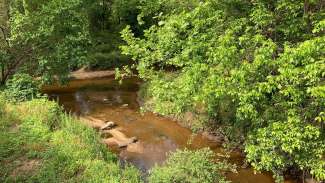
106, 99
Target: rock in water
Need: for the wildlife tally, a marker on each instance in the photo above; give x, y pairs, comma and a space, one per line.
127, 142
109, 125
125, 105
133, 139
119, 138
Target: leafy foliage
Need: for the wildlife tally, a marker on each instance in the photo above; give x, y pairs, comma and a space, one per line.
44, 37
261, 62
287, 144
189, 167
22, 87
299, 99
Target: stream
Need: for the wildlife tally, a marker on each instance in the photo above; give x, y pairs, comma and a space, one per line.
106, 99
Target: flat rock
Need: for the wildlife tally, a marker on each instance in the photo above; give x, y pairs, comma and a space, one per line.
108, 125
110, 141
127, 142
119, 139
125, 105
136, 147
92, 122
120, 143
118, 135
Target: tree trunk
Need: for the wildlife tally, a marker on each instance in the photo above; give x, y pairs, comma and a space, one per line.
307, 16
3, 80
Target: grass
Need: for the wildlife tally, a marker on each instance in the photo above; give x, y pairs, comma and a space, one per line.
40, 143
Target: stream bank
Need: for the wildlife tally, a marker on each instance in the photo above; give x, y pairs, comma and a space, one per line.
105, 99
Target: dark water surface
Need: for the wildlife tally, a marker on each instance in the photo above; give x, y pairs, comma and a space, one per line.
107, 100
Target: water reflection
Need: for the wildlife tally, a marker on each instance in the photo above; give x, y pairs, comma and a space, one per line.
82, 103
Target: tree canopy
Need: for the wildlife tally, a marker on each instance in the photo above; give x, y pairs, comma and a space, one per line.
44, 36
261, 61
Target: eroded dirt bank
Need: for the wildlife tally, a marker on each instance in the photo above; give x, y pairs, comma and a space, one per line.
83, 74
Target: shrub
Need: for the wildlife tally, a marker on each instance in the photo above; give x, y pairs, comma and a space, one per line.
22, 87
286, 144
245, 70
41, 111
185, 166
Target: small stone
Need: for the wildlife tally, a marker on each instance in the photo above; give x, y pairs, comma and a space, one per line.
125, 105
109, 125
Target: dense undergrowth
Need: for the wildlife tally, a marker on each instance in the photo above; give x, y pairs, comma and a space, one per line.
185, 166
39, 143
254, 68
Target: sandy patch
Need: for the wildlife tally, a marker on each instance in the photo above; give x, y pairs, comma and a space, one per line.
26, 167
83, 74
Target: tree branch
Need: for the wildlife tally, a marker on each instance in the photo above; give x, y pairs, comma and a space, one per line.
16, 63
3, 30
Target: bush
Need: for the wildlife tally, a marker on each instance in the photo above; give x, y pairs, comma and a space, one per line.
231, 60
286, 144
22, 87
185, 166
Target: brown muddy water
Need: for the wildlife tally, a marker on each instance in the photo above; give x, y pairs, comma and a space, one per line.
106, 99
